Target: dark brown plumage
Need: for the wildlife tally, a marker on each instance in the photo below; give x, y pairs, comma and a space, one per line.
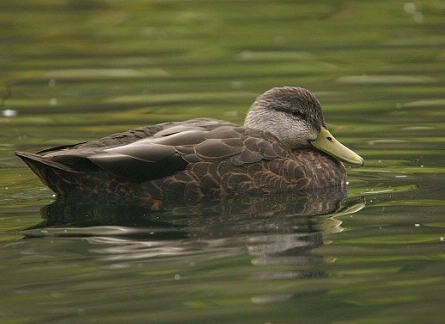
191, 160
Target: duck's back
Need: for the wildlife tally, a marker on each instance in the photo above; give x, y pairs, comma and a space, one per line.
186, 160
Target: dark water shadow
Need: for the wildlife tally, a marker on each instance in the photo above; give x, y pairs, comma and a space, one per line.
281, 213
78, 211
257, 239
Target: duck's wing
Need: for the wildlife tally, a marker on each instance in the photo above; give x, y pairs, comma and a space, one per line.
157, 130
130, 136
164, 154
172, 148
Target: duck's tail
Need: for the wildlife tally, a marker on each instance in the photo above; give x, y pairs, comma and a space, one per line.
51, 173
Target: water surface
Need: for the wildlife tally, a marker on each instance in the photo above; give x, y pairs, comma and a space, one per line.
78, 70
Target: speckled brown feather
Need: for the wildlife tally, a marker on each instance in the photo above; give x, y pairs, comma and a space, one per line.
188, 160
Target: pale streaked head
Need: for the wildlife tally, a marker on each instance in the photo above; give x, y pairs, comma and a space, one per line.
294, 115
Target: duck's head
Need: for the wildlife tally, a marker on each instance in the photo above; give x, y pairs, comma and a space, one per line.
295, 117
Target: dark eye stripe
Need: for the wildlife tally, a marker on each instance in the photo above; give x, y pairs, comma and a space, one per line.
294, 112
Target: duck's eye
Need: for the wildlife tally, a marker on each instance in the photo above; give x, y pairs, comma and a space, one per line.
329, 138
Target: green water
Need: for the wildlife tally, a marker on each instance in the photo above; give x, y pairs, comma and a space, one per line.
77, 70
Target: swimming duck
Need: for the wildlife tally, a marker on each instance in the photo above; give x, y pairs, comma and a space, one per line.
283, 146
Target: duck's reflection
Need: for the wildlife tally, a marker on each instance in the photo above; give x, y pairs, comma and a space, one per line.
80, 212
273, 231
275, 225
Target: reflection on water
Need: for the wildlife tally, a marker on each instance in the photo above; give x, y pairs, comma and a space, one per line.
261, 226
275, 234
78, 211
257, 225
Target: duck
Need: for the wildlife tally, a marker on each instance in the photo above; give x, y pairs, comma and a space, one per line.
284, 145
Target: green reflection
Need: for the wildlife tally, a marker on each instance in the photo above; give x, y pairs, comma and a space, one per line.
78, 70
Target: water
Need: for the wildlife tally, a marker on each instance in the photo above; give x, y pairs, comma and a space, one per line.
77, 70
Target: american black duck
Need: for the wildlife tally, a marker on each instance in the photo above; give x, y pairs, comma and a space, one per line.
283, 146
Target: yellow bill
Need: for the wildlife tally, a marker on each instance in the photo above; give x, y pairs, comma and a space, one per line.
327, 143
